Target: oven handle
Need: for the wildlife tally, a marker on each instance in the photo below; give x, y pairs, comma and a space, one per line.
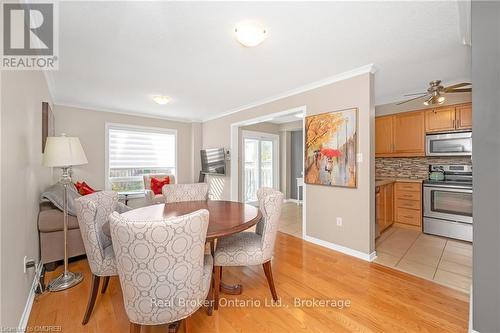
449, 188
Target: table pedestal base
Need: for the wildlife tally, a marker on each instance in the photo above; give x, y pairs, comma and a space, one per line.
236, 289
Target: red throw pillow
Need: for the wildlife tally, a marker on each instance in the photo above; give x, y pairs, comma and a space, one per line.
83, 188
157, 184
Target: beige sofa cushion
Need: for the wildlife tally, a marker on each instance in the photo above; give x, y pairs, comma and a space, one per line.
51, 220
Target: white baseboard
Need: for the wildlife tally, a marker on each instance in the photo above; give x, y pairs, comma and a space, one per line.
293, 200
339, 248
29, 302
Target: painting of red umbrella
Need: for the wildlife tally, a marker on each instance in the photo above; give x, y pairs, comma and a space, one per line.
330, 153
330, 148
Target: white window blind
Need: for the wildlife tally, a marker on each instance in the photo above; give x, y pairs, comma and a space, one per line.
134, 152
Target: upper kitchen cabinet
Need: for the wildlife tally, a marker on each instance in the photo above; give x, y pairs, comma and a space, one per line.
409, 134
440, 119
463, 116
400, 135
383, 135
449, 118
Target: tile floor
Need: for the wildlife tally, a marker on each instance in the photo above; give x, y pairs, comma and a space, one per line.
445, 261
291, 219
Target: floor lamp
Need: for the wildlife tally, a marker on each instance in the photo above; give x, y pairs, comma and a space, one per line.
64, 152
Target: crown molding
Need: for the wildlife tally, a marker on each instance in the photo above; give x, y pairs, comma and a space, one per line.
127, 113
370, 68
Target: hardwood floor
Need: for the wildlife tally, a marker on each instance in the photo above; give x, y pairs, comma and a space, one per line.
381, 299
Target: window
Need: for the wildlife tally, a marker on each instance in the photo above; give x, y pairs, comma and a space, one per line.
134, 151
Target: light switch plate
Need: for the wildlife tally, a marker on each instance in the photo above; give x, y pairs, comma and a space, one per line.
359, 157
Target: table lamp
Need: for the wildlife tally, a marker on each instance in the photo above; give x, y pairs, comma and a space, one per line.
64, 152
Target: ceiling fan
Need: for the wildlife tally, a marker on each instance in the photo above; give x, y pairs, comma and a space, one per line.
435, 93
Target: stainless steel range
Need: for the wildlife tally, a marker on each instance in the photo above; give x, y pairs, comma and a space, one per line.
448, 202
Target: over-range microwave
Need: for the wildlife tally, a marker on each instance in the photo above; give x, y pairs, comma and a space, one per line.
449, 144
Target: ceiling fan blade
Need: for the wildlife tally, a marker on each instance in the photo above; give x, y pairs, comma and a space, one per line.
459, 90
458, 85
411, 99
422, 93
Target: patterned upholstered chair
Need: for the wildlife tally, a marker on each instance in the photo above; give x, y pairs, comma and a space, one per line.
152, 198
164, 274
185, 192
92, 212
252, 248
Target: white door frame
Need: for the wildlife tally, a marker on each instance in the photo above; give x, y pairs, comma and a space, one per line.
246, 134
234, 175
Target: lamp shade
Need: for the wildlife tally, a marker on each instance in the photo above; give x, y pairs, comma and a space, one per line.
63, 151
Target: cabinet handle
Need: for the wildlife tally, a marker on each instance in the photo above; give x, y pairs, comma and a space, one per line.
408, 217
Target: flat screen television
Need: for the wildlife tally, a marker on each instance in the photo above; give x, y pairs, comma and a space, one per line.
213, 161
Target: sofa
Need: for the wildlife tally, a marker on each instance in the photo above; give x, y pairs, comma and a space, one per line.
51, 236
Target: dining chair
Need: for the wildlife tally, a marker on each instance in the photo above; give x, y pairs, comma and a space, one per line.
185, 192
92, 212
252, 248
152, 198
164, 273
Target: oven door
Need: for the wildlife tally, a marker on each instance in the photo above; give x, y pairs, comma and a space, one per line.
451, 144
448, 203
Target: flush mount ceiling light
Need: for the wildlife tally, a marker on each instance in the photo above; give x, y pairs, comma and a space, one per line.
161, 99
250, 33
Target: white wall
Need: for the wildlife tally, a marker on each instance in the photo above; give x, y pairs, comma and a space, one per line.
324, 203
89, 126
23, 178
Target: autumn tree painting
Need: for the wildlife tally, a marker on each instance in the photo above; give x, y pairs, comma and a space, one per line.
330, 148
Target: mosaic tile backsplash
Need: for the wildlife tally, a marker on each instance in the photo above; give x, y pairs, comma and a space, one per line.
412, 167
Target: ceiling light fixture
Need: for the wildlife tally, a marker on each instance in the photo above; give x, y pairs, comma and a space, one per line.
161, 99
435, 99
250, 33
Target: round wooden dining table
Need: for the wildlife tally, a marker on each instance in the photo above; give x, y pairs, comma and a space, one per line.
225, 218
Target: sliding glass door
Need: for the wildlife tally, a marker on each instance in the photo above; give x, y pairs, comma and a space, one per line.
260, 163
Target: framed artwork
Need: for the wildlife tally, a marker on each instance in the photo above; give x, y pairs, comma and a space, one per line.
330, 148
48, 124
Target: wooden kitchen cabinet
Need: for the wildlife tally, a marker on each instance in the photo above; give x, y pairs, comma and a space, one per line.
408, 203
400, 135
384, 203
403, 134
463, 114
440, 119
409, 134
449, 118
383, 135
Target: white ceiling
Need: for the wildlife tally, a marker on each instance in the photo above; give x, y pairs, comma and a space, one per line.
115, 55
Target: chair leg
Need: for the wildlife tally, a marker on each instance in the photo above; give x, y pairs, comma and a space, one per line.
94, 288
173, 327
210, 297
212, 247
217, 277
270, 281
135, 328
105, 284
187, 324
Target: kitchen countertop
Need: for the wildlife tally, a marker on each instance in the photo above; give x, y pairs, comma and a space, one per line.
384, 181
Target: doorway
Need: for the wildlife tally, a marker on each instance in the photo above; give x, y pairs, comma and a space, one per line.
260, 156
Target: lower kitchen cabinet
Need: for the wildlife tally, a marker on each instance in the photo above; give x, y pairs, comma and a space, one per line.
408, 203
385, 206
